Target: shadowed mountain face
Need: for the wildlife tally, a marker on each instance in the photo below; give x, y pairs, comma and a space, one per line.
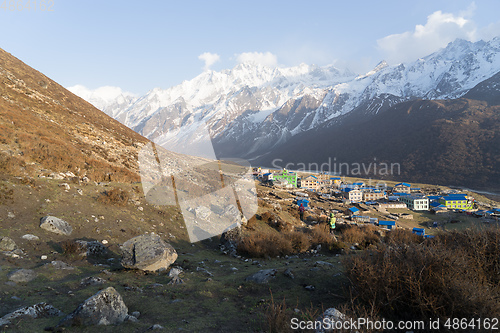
45, 128
454, 142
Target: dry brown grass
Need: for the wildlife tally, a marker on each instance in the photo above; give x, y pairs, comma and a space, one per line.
363, 236
453, 275
115, 196
278, 317
265, 243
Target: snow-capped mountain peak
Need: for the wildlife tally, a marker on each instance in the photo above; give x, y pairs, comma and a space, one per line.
255, 107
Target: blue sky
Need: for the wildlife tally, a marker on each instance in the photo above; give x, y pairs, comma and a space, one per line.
141, 45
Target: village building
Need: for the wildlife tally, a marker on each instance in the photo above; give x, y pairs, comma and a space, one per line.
415, 202
287, 178
373, 195
353, 195
456, 201
401, 188
393, 204
267, 176
310, 182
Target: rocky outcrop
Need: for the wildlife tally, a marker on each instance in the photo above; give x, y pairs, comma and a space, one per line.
104, 308
56, 225
38, 310
229, 240
148, 253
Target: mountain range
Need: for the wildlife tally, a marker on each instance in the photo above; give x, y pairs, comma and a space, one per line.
301, 113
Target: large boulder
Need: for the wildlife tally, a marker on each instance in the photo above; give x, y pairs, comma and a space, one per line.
7, 244
147, 252
104, 308
56, 225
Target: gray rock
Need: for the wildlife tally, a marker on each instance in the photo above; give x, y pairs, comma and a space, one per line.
7, 244
11, 215
229, 240
156, 327
288, 273
148, 253
91, 248
136, 314
329, 318
132, 319
323, 264
30, 237
174, 272
91, 281
176, 280
262, 276
104, 308
57, 264
203, 270
22, 275
35, 311
56, 225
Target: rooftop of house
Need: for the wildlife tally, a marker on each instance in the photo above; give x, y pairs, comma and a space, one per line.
386, 222
403, 184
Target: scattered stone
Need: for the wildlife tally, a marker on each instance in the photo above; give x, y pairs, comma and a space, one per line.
309, 287
156, 327
323, 263
91, 281
175, 271
262, 276
329, 318
57, 264
136, 314
35, 311
22, 275
85, 179
132, 319
176, 280
234, 269
56, 225
30, 237
104, 242
65, 186
203, 270
288, 273
79, 191
44, 257
140, 208
147, 252
11, 215
155, 285
7, 244
104, 308
91, 248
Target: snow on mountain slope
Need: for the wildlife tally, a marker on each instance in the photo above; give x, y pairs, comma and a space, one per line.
252, 108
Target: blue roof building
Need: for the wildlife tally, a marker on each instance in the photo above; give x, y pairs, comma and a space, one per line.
387, 224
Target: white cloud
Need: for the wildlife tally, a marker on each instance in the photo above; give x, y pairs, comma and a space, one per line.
265, 59
209, 59
440, 29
